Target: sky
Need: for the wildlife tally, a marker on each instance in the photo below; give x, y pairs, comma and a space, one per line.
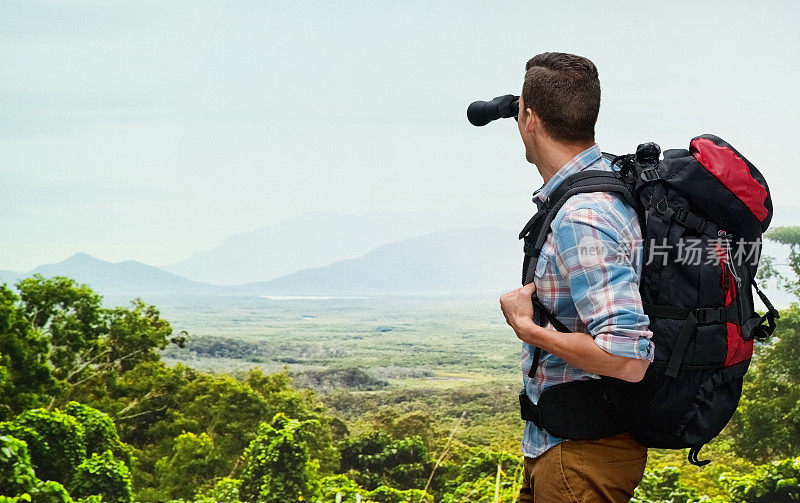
150, 130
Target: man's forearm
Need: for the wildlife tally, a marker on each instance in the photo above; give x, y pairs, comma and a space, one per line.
579, 349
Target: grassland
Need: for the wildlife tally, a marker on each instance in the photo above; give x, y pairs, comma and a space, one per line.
444, 356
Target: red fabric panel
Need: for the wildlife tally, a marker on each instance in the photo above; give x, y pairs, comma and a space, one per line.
738, 349
733, 172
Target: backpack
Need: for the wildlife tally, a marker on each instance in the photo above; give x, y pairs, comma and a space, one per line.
701, 312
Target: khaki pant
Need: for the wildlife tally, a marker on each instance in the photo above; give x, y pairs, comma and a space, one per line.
585, 471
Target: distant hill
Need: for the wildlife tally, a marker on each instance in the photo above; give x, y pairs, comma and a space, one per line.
457, 260
485, 259
123, 278
319, 239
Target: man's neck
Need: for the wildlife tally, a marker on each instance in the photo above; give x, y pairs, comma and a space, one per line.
554, 156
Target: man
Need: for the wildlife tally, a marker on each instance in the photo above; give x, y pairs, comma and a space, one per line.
596, 295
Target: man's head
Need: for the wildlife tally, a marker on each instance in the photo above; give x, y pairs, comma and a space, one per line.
559, 103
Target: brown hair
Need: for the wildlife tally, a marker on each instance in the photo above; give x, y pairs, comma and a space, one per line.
564, 91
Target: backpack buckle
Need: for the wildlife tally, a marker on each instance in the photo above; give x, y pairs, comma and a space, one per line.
710, 315
650, 174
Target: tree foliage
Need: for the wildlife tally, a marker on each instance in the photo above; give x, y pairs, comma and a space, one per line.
777, 482
192, 463
278, 467
26, 378
767, 423
378, 459
789, 236
99, 432
71, 317
16, 471
225, 490
88, 406
105, 476
55, 441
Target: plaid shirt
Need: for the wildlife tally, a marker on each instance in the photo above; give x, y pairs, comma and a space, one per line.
592, 293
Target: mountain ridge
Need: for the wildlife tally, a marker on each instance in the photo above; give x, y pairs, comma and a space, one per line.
317, 239
125, 277
463, 260
455, 260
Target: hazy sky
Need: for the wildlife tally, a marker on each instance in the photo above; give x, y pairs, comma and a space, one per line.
151, 130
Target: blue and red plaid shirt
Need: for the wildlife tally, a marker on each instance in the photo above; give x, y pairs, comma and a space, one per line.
587, 275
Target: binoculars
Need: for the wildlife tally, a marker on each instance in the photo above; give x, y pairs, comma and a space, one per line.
481, 113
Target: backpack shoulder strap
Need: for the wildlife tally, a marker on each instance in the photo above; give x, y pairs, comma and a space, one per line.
538, 227
581, 182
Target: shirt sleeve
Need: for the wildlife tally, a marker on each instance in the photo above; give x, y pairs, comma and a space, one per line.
604, 283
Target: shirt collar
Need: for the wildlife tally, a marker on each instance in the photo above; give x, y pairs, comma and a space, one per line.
577, 163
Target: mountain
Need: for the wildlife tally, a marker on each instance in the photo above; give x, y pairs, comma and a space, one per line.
122, 278
464, 260
482, 260
485, 259
319, 239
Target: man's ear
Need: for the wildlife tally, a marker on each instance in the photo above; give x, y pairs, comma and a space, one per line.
532, 121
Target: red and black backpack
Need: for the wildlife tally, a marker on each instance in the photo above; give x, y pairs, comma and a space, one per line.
702, 313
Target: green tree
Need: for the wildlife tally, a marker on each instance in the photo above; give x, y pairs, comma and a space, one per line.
225, 490
55, 442
478, 478
773, 483
99, 432
767, 423
16, 471
102, 475
71, 317
399, 425
384, 494
278, 468
192, 463
84, 341
378, 459
18, 482
152, 404
26, 378
343, 485
789, 236
135, 334
300, 404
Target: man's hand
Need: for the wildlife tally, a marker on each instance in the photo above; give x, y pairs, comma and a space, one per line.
518, 308
575, 348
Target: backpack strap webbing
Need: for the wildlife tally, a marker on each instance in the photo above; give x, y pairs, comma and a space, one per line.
754, 327
590, 180
535, 231
539, 308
